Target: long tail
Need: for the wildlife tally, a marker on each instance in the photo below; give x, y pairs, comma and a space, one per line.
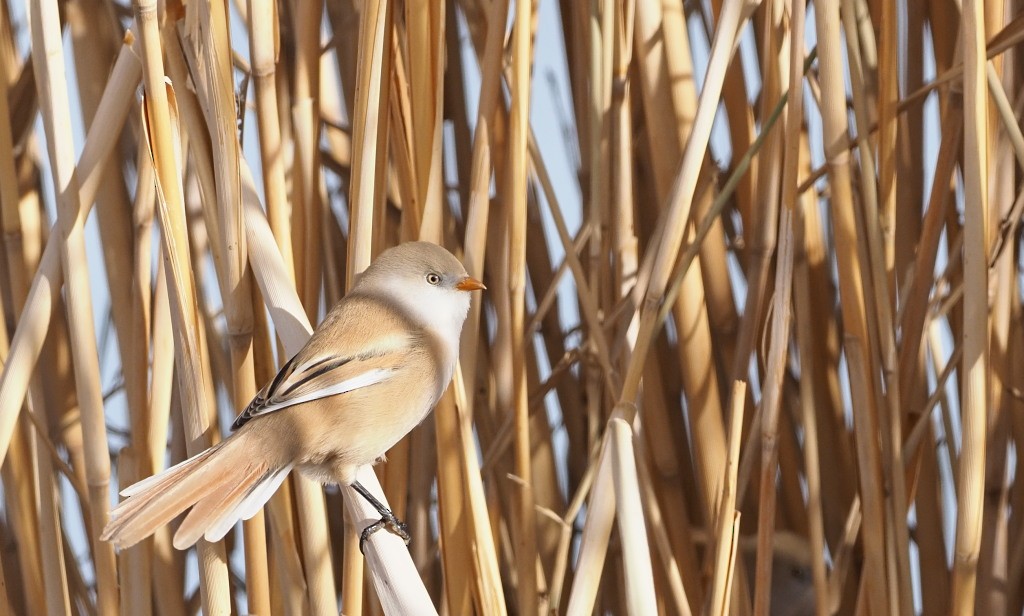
224, 486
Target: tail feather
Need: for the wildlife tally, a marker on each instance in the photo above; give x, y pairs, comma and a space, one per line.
212, 514
142, 513
261, 493
205, 480
254, 499
168, 475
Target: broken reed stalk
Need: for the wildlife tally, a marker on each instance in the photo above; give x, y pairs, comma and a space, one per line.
655, 288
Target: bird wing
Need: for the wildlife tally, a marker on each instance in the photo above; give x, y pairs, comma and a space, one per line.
318, 372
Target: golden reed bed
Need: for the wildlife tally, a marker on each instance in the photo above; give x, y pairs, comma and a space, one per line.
770, 367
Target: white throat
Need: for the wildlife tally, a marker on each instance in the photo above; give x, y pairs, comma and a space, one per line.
440, 311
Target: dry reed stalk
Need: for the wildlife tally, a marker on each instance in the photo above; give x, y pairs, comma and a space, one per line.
770, 405
135, 564
727, 521
263, 52
929, 529
937, 348
993, 557
735, 97
9, 179
455, 539
168, 564
1007, 118
974, 398
22, 510
562, 559
523, 517
369, 132
865, 432
677, 595
601, 27
339, 151
916, 300
455, 107
315, 546
400, 139
34, 512
288, 592
765, 171
488, 586
624, 241
809, 419
910, 150
423, 459
596, 535
765, 230
51, 541
477, 208
887, 138
425, 34
144, 459
547, 490
695, 361
293, 597
675, 287
639, 579
306, 206
18, 480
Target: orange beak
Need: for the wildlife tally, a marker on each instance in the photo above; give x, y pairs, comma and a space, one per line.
469, 284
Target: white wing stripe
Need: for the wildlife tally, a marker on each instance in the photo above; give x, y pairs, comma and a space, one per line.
365, 379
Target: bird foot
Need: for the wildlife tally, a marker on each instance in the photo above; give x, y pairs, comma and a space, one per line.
389, 521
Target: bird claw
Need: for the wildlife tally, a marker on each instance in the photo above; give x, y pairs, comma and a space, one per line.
392, 523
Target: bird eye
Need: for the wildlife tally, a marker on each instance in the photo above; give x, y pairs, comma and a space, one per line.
433, 279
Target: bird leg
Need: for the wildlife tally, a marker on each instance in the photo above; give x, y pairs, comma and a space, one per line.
387, 518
